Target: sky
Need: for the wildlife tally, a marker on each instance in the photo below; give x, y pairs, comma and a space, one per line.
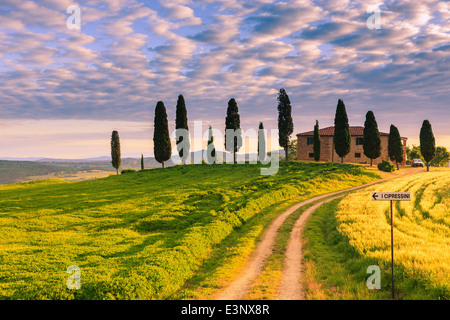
63, 91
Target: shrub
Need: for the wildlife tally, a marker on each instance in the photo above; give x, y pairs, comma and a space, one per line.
127, 171
386, 166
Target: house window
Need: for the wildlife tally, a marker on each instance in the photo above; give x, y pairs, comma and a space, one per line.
311, 155
357, 155
310, 141
359, 141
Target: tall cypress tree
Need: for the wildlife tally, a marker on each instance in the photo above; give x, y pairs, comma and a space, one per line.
115, 151
395, 146
142, 162
372, 140
285, 123
181, 122
427, 143
342, 138
211, 150
233, 122
161, 140
261, 142
317, 142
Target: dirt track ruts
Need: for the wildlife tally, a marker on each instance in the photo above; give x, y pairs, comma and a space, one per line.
290, 286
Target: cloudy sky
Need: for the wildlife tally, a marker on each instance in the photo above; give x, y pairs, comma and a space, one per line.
63, 91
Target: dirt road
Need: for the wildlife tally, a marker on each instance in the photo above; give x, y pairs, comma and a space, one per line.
290, 287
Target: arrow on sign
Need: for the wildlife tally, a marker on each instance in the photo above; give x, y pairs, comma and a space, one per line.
391, 196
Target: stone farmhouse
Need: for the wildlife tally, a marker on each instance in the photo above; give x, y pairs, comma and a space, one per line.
305, 149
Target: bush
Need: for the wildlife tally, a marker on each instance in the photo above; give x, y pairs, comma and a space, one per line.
386, 166
127, 171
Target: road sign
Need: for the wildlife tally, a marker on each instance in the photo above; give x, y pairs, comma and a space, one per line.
391, 196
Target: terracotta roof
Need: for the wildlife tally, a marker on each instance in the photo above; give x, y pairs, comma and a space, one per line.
354, 131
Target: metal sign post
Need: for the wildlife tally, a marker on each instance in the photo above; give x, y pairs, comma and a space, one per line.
392, 248
392, 196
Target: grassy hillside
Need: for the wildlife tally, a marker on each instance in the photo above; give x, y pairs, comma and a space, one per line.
139, 235
346, 237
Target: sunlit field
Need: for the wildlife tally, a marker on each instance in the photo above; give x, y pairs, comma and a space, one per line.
140, 235
421, 230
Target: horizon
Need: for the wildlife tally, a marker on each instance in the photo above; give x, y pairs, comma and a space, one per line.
174, 151
108, 157
63, 91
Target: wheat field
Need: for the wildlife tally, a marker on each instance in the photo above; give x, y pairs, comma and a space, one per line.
421, 227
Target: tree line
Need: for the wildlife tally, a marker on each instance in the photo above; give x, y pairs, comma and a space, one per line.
162, 147
372, 139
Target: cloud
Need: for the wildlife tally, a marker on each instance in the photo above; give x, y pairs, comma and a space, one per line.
177, 11
132, 53
224, 30
281, 19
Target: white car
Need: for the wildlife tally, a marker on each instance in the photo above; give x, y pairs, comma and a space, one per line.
417, 163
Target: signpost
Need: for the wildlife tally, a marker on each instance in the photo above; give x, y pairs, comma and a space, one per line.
392, 196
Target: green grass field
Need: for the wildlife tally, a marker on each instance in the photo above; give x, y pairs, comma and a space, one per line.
141, 235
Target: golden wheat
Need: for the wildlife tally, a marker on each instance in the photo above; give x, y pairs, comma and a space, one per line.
421, 226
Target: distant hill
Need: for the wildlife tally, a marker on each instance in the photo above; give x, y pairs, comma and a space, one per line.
43, 168
14, 170
127, 163
17, 171
21, 159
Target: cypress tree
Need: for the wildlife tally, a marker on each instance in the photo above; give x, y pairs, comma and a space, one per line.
317, 142
427, 143
211, 150
395, 146
342, 138
181, 122
233, 122
372, 140
161, 140
115, 151
142, 162
261, 142
285, 123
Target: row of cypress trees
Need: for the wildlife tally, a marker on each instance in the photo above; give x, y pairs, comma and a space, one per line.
341, 139
161, 137
372, 140
427, 144
285, 125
